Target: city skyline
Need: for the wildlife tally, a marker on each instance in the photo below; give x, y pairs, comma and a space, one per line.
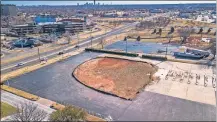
28, 3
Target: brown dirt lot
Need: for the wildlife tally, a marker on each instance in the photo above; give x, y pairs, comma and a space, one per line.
123, 78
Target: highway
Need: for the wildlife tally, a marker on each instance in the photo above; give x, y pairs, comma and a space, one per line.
87, 42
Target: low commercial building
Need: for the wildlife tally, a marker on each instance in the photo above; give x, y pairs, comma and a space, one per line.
26, 29
51, 27
73, 25
44, 18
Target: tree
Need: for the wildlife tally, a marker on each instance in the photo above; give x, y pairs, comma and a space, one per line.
159, 32
208, 31
138, 38
154, 31
125, 38
27, 111
213, 47
69, 113
184, 33
171, 30
200, 31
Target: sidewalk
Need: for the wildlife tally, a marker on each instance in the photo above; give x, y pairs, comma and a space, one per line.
14, 100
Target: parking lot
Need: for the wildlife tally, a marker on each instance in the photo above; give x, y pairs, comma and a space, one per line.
55, 82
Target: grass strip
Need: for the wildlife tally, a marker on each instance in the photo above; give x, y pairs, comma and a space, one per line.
19, 93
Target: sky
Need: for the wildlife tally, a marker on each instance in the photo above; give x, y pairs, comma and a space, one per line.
19, 3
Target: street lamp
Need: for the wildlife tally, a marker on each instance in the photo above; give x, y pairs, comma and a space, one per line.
91, 38
126, 45
78, 39
169, 36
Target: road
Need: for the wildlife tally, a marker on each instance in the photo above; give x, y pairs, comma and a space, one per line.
34, 59
15, 100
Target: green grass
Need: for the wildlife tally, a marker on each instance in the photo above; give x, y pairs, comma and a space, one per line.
7, 109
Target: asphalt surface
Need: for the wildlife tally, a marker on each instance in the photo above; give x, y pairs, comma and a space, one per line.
55, 82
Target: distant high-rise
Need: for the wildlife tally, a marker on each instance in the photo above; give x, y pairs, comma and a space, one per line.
8, 10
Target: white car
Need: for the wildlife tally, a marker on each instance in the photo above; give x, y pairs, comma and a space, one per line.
44, 59
20, 64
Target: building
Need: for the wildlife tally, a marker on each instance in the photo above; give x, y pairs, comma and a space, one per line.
44, 18
8, 10
73, 25
3, 36
110, 15
26, 29
154, 11
51, 27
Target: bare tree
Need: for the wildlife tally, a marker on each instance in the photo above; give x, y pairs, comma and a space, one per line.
184, 33
27, 111
68, 37
213, 47
159, 31
209, 30
145, 25
154, 31
138, 38
201, 32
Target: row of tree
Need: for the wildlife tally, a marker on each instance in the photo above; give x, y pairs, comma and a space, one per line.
157, 22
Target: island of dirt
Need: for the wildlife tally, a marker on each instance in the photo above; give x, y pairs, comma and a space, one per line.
119, 77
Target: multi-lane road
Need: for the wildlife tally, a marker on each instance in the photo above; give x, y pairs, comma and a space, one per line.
87, 42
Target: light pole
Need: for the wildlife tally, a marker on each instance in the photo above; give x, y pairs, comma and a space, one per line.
126, 45
167, 44
91, 39
78, 39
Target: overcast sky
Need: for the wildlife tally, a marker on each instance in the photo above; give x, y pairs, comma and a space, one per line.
19, 3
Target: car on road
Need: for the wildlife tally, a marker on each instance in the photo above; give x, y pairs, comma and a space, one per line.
60, 53
20, 64
44, 59
77, 46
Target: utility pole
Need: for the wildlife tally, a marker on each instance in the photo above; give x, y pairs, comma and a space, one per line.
39, 55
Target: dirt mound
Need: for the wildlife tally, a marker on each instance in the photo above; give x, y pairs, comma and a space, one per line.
120, 77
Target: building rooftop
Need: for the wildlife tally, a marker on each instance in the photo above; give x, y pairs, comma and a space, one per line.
71, 20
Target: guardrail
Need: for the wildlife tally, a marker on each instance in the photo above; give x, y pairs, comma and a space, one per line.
112, 52
155, 57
